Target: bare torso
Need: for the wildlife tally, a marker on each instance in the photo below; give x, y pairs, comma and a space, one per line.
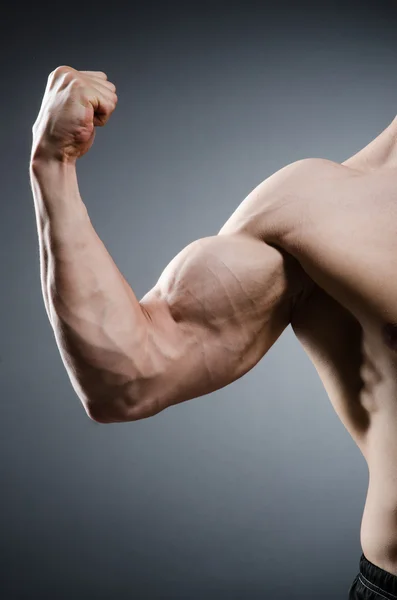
342, 229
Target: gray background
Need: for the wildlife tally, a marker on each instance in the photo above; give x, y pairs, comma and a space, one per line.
255, 491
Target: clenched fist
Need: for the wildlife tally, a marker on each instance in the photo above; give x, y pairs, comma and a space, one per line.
74, 103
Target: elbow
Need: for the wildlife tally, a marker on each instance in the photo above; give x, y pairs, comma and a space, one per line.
98, 415
96, 411
113, 410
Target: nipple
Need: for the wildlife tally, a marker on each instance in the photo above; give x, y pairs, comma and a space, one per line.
389, 334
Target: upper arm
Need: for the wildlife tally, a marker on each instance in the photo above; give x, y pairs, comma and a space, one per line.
214, 312
217, 307
221, 303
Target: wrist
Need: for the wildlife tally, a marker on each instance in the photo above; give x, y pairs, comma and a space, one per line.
44, 154
55, 188
46, 166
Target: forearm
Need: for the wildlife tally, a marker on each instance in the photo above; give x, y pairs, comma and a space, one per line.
97, 320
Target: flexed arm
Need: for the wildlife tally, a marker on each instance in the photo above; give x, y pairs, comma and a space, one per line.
216, 309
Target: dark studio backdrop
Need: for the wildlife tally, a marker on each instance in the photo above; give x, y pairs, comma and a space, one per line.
255, 491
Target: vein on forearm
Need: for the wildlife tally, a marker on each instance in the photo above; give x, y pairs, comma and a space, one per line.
97, 320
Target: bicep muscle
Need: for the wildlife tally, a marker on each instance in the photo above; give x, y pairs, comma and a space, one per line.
215, 311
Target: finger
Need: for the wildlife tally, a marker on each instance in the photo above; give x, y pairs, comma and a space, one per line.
94, 80
99, 74
103, 83
102, 104
104, 89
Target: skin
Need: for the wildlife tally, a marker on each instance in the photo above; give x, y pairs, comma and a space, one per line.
312, 246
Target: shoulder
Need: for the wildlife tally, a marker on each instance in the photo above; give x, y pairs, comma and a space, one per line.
281, 200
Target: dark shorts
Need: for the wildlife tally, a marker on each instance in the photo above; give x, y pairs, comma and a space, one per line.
373, 583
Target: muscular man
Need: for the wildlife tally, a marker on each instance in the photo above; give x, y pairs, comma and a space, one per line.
314, 246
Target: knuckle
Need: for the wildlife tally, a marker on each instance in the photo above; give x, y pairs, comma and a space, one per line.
75, 83
59, 71
61, 76
70, 78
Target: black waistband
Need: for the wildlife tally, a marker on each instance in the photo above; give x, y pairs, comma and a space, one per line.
377, 580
